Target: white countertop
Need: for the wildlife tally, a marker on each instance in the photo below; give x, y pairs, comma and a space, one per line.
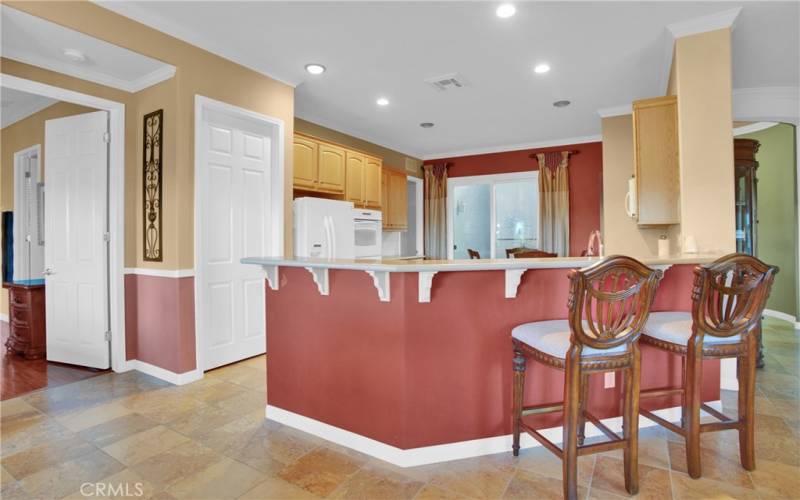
420, 265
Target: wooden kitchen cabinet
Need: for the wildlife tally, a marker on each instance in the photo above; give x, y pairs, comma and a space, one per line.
372, 182
331, 161
656, 156
355, 177
336, 172
395, 200
306, 161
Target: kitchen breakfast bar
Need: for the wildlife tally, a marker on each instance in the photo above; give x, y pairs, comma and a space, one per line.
410, 361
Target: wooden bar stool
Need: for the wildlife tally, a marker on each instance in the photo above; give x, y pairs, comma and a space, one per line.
608, 307
728, 299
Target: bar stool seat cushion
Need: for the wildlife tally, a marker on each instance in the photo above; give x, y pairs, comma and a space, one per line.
552, 337
675, 327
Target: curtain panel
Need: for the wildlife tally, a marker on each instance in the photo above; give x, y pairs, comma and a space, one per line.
435, 211
554, 202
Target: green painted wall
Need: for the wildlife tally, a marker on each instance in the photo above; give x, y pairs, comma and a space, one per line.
777, 212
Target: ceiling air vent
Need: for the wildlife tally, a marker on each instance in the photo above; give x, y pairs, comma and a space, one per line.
447, 82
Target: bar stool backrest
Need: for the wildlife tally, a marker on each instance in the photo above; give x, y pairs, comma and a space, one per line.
609, 302
730, 294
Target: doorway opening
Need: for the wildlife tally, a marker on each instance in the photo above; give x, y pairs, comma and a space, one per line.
77, 168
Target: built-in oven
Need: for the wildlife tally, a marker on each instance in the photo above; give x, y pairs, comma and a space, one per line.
368, 227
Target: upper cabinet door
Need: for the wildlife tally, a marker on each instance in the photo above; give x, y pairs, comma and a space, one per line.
655, 140
354, 190
305, 162
331, 175
398, 200
372, 182
386, 205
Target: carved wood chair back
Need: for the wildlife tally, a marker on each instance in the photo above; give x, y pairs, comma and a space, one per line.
473, 254
730, 294
532, 254
609, 302
512, 251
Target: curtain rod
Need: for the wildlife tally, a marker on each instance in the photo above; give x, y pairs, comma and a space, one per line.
571, 153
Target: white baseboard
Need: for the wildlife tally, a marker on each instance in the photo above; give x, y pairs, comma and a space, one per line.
444, 452
165, 375
4, 318
784, 316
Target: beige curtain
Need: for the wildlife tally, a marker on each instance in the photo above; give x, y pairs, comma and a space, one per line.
435, 226
554, 202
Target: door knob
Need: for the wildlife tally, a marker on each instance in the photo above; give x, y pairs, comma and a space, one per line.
47, 271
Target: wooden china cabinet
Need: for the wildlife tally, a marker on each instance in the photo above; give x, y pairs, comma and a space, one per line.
745, 167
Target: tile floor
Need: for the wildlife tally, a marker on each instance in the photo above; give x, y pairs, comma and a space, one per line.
209, 439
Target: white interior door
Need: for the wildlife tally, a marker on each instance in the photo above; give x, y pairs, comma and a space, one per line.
76, 250
235, 223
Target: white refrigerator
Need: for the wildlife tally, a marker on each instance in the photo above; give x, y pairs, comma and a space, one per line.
323, 229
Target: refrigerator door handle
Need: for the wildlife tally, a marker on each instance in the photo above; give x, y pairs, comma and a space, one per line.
333, 238
326, 221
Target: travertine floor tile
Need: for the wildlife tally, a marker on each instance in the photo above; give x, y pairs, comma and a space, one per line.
143, 445
65, 478
719, 465
275, 488
370, 483
320, 471
223, 479
526, 485
38, 458
117, 429
176, 463
609, 476
686, 488
776, 480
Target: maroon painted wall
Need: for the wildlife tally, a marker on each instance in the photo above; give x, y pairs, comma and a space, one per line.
585, 181
159, 321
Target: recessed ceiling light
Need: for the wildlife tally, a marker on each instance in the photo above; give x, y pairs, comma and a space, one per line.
382, 101
74, 55
426, 124
315, 69
505, 10
561, 104
541, 68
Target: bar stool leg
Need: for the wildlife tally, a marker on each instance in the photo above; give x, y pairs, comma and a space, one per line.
694, 368
747, 386
581, 417
631, 423
572, 389
519, 389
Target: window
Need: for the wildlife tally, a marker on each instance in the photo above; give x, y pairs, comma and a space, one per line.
490, 213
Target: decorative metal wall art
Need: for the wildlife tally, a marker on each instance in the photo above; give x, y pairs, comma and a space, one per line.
153, 141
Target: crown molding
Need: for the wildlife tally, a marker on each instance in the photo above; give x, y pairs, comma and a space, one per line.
515, 147
767, 104
703, 24
142, 16
165, 72
625, 109
753, 127
322, 122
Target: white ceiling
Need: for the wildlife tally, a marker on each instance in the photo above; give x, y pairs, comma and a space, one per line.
17, 105
38, 42
602, 54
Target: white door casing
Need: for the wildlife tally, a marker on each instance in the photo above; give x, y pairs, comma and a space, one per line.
76, 248
235, 220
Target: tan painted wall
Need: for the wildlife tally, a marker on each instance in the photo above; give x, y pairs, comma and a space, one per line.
198, 72
621, 234
391, 158
16, 137
703, 85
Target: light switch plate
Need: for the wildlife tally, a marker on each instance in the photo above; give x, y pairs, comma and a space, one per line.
609, 380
